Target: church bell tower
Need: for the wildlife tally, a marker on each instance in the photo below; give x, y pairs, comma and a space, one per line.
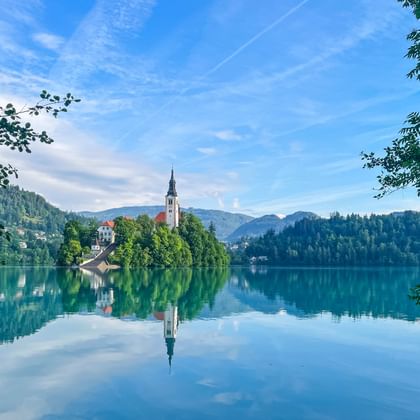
172, 204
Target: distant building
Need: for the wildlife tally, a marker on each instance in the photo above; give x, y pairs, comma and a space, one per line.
172, 213
23, 245
106, 232
41, 236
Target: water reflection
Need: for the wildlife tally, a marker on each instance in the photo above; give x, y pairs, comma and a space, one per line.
342, 292
29, 298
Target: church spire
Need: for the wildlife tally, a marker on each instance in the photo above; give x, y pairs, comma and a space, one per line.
172, 190
170, 344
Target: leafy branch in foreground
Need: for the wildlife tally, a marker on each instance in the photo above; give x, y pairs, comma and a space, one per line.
401, 163
17, 134
400, 167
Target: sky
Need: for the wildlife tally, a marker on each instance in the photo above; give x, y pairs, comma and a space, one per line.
262, 107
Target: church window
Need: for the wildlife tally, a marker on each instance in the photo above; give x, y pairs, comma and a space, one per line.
170, 201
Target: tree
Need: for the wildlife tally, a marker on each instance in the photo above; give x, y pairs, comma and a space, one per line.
212, 229
400, 167
17, 134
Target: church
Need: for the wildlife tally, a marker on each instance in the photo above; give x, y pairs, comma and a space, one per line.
172, 212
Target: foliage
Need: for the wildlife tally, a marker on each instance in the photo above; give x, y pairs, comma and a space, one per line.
17, 134
206, 251
144, 243
342, 241
77, 237
32, 222
400, 167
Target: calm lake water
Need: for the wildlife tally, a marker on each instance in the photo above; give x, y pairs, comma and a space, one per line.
203, 344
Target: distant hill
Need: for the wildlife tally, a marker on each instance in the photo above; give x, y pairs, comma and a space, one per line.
261, 225
35, 227
224, 221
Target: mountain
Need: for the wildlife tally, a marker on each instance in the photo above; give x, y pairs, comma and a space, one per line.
261, 225
225, 222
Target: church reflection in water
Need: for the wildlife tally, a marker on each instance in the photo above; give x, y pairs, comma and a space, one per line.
170, 327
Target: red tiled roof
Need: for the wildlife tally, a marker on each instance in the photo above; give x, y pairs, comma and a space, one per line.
161, 217
107, 310
109, 223
159, 315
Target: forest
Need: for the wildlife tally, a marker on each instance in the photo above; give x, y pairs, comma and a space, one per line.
142, 242
35, 228
386, 240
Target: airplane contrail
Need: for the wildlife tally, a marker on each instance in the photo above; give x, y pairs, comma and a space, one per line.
220, 64
256, 37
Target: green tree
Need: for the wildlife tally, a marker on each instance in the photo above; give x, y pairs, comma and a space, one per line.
400, 167
17, 134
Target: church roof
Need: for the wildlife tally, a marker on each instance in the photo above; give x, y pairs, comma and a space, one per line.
161, 217
160, 316
172, 186
109, 223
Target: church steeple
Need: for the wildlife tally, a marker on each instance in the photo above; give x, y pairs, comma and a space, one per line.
170, 344
172, 212
172, 185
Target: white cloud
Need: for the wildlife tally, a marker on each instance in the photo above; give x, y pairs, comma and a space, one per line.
236, 204
209, 151
49, 41
226, 135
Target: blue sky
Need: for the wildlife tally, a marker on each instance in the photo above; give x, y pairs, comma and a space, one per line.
261, 106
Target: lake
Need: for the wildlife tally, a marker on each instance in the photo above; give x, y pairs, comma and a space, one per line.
249, 343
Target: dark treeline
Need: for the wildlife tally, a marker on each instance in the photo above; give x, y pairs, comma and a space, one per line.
35, 227
355, 292
340, 241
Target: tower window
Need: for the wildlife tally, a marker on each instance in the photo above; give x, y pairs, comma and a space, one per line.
170, 201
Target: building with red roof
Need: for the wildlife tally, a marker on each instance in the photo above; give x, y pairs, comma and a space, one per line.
106, 232
161, 217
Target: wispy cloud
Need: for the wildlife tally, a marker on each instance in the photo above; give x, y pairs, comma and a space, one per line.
209, 151
94, 46
49, 41
226, 135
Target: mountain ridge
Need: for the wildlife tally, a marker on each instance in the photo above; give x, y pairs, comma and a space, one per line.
225, 222
261, 225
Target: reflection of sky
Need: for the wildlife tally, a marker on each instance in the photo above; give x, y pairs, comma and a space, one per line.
250, 365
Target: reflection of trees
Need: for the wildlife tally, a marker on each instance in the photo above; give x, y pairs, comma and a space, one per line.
415, 294
77, 293
26, 304
28, 300
139, 293
203, 289
352, 292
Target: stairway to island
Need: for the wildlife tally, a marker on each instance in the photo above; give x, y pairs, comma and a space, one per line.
101, 260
